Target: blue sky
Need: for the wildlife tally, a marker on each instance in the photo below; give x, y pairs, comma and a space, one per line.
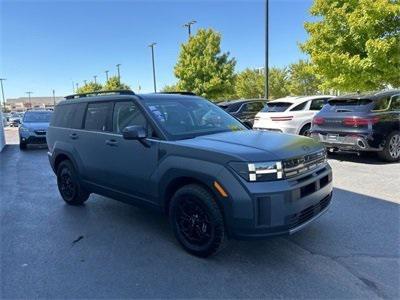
46, 45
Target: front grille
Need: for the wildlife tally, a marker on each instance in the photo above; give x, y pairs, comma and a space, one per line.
306, 214
40, 132
299, 165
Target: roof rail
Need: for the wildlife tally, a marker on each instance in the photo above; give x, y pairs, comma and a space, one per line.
96, 93
179, 93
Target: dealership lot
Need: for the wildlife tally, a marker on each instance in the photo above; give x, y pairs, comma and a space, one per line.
109, 249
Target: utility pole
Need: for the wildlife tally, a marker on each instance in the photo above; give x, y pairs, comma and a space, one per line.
85, 82
119, 75
73, 87
77, 87
29, 95
154, 68
2, 92
95, 79
189, 26
54, 98
266, 71
106, 75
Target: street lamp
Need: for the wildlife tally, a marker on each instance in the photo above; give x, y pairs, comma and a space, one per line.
119, 75
154, 68
85, 82
266, 71
2, 91
54, 98
77, 87
29, 96
95, 79
189, 26
106, 75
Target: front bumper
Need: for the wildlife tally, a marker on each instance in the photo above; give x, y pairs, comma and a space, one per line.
256, 210
32, 138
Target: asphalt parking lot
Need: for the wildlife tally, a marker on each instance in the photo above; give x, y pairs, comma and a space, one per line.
107, 249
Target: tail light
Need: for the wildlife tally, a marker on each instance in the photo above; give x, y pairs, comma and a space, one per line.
287, 118
318, 121
355, 122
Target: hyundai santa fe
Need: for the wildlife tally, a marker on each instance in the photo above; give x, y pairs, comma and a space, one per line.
186, 157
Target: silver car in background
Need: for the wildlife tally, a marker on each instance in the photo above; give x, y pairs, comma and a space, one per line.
34, 128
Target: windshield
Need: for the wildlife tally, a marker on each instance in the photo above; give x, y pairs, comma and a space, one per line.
186, 118
276, 107
39, 117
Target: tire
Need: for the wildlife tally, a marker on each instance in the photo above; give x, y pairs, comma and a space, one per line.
22, 146
391, 151
68, 184
305, 130
197, 221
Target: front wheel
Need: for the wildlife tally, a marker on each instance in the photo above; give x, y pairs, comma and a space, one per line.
68, 184
197, 221
391, 151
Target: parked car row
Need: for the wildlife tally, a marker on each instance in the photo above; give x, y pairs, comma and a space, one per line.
351, 123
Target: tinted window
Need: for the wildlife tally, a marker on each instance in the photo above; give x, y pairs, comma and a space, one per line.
186, 118
69, 115
317, 104
254, 106
98, 116
395, 105
231, 107
127, 114
299, 107
382, 104
37, 117
276, 106
348, 105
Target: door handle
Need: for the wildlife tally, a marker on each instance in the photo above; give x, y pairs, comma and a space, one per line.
73, 136
111, 143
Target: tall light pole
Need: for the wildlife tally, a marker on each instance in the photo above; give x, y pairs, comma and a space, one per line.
119, 74
154, 67
73, 87
95, 79
29, 96
106, 71
85, 82
189, 26
266, 71
54, 98
2, 92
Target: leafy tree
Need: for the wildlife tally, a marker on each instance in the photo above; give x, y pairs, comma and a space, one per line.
202, 68
114, 83
170, 88
250, 84
355, 44
278, 83
89, 87
303, 80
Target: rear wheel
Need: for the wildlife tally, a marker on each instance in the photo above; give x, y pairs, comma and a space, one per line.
391, 151
197, 221
305, 130
68, 184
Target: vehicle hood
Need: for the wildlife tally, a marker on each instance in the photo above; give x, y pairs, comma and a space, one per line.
252, 145
36, 125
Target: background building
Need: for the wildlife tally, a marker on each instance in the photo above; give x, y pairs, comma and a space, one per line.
25, 103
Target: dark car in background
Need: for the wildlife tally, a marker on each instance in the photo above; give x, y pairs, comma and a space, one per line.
245, 109
34, 127
369, 122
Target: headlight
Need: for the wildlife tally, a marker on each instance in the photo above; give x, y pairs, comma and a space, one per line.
259, 171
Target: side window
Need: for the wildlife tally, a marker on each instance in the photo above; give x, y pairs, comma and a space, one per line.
382, 104
317, 104
98, 116
395, 105
69, 115
299, 107
127, 114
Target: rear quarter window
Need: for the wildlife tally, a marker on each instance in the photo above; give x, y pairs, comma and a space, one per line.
69, 115
382, 104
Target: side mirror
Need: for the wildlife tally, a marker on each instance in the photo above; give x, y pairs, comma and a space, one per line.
134, 133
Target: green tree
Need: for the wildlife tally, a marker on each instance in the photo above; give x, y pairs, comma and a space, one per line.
303, 80
170, 88
89, 87
355, 44
250, 84
113, 83
278, 83
202, 68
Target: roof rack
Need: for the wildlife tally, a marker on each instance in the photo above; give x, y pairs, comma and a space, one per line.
96, 93
179, 93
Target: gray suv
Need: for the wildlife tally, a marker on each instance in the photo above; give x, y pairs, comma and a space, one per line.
33, 127
188, 158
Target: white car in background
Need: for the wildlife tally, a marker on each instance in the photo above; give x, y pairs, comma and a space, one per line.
291, 114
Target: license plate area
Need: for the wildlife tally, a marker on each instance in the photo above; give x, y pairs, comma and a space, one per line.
332, 137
